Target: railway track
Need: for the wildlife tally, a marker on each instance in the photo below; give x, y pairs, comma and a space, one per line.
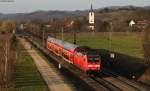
114, 82
107, 84
121, 83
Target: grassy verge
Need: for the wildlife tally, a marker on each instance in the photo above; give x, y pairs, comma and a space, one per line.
27, 77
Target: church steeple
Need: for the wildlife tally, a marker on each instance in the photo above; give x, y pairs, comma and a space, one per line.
91, 8
91, 18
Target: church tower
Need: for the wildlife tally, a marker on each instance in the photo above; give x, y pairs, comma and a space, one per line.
91, 18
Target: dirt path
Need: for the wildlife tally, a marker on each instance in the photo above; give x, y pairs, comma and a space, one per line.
52, 79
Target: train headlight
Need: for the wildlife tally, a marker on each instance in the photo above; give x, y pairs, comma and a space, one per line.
97, 65
93, 65
90, 65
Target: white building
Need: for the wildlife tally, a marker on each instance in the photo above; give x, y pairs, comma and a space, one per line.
91, 18
131, 23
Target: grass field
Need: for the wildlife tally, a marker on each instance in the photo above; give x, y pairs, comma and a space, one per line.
27, 77
129, 44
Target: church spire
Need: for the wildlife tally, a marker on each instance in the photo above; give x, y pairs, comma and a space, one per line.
91, 8
91, 18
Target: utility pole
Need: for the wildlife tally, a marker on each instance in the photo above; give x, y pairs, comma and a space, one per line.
74, 36
110, 35
73, 27
43, 36
62, 33
112, 54
62, 37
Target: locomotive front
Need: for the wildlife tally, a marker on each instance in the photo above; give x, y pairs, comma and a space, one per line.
93, 62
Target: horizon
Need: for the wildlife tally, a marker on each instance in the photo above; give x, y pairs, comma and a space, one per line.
28, 6
70, 10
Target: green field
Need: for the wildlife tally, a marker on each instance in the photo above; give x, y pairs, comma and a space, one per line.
129, 44
27, 77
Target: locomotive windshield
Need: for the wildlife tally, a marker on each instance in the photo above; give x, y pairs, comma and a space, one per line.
93, 56
82, 50
93, 59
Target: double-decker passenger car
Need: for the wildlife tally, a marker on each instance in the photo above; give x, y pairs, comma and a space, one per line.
80, 56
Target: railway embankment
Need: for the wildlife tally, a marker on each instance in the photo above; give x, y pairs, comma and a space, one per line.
79, 77
145, 78
84, 79
125, 65
26, 75
50, 76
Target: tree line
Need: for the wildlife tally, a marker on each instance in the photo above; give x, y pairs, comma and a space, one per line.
36, 27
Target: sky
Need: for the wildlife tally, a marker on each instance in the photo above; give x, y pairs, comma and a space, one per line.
26, 6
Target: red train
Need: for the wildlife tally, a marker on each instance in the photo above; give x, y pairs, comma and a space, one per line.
80, 56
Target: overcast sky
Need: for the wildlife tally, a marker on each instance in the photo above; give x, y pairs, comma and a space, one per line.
20, 6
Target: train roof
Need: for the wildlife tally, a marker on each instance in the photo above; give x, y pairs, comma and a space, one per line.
66, 45
70, 46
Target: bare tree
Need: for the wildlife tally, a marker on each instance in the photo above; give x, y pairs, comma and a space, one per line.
33, 28
8, 26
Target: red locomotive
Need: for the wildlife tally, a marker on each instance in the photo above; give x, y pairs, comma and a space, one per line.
80, 56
